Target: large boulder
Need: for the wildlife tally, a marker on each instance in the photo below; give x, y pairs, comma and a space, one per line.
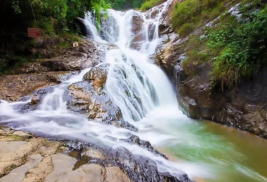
95, 104
97, 76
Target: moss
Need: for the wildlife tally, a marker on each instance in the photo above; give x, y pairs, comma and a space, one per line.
18, 138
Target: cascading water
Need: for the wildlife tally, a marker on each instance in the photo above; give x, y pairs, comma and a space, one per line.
142, 92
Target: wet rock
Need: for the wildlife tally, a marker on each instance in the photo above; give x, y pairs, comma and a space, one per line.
165, 22
58, 77
129, 166
86, 99
145, 144
138, 168
137, 30
42, 160
151, 31
97, 76
152, 13
242, 106
137, 22
81, 24
165, 26
96, 104
137, 41
35, 100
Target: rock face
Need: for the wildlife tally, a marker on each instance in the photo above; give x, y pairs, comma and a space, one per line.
137, 31
243, 107
13, 87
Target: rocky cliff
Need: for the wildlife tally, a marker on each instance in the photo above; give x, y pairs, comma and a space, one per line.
242, 106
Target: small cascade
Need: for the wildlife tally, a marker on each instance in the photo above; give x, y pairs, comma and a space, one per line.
90, 22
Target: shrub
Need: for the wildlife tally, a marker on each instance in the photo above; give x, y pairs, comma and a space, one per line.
186, 29
197, 12
185, 12
242, 49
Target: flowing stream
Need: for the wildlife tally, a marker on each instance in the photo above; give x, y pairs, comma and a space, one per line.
204, 150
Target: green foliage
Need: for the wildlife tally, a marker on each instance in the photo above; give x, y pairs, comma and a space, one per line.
40, 13
150, 4
186, 29
185, 12
243, 49
99, 6
235, 49
127, 4
53, 17
197, 12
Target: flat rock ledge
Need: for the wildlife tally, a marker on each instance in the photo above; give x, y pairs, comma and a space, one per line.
26, 158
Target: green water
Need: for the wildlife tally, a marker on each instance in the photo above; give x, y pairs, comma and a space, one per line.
228, 155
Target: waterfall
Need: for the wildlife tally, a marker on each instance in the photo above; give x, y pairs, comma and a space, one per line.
139, 88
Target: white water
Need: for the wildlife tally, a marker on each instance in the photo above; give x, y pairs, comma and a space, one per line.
131, 76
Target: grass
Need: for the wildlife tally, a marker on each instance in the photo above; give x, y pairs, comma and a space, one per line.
150, 4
